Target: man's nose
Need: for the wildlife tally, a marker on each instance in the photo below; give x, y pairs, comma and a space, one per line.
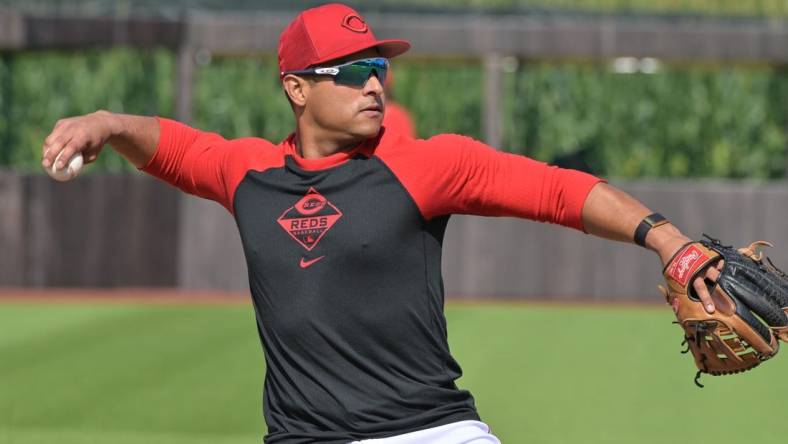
373, 85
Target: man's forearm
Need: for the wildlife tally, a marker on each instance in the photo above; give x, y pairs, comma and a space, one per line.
613, 214
134, 137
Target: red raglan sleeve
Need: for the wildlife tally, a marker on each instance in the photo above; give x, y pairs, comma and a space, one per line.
195, 161
451, 174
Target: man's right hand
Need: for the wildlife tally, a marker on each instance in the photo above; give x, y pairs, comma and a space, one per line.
83, 134
134, 137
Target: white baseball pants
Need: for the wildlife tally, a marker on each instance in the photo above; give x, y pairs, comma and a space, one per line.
462, 432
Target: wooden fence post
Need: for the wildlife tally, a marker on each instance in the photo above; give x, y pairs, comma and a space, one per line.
492, 126
184, 83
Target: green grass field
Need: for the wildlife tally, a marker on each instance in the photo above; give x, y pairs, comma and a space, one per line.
128, 373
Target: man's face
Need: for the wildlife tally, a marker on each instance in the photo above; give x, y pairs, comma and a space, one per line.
346, 112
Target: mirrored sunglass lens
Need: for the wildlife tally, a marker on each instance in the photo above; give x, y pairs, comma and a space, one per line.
352, 75
379, 65
358, 73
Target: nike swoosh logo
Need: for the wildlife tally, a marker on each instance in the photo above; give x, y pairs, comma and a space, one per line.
305, 264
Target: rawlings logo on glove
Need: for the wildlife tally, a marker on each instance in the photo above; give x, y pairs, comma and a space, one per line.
686, 262
751, 301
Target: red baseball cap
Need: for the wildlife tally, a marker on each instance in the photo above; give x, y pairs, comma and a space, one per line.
328, 32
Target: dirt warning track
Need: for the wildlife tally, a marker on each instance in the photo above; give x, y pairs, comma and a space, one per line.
121, 295
168, 296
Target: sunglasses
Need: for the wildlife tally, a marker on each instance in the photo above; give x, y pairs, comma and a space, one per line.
355, 73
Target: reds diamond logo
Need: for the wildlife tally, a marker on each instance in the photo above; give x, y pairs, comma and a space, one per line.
308, 220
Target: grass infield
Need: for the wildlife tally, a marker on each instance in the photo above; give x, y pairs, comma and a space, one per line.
134, 373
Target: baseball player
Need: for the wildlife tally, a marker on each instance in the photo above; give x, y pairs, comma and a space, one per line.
342, 226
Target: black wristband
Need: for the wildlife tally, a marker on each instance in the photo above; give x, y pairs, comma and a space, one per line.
651, 221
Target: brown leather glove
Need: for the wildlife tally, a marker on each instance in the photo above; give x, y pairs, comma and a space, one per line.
751, 301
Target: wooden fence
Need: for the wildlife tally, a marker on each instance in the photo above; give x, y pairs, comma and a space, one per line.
131, 230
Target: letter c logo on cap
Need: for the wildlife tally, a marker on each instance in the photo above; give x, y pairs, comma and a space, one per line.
355, 23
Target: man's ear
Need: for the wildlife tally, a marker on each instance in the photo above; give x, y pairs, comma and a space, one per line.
296, 88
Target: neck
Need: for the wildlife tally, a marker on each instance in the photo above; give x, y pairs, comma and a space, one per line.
314, 144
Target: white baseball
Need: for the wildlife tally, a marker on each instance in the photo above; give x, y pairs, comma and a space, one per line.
68, 172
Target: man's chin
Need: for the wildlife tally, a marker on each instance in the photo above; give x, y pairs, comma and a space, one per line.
367, 131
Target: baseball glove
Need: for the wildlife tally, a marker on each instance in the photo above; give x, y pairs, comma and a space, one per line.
751, 302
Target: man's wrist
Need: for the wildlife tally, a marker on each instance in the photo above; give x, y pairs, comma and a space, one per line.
648, 223
666, 240
112, 122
